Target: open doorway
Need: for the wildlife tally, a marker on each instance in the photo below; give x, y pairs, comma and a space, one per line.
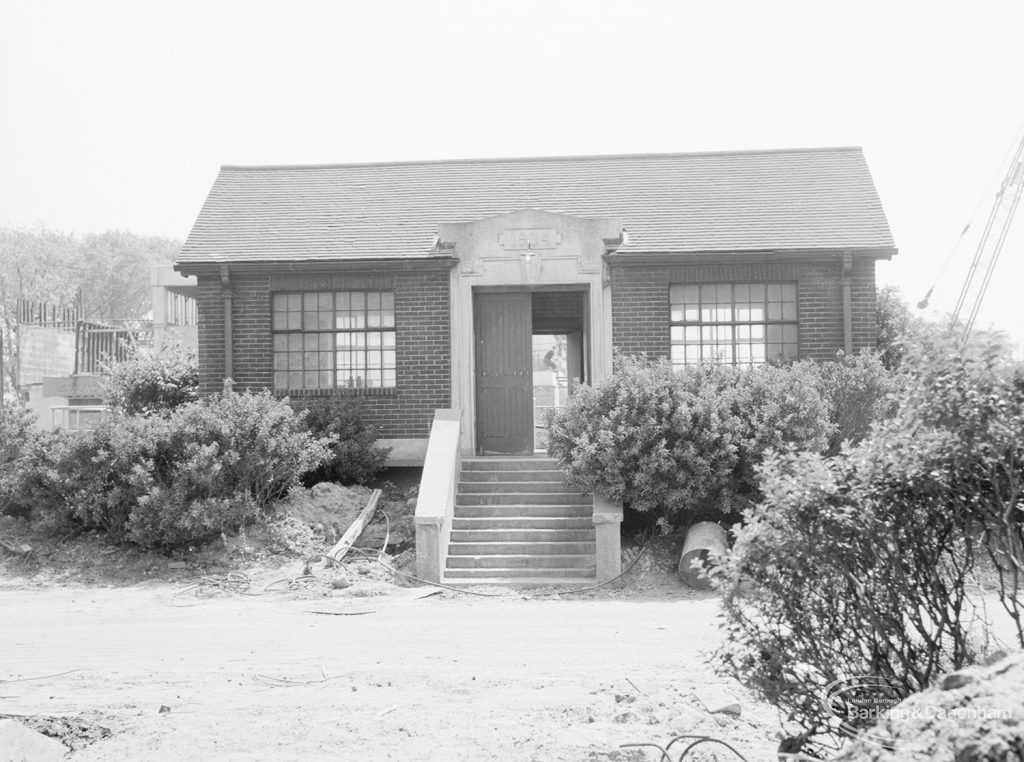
558, 328
530, 355
550, 382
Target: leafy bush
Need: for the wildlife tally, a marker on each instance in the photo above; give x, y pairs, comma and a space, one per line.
682, 443
858, 568
859, 563
975, 395
779, 407
900, 331
210, 465
16, 427
16, 436
94, 478
229, 458
859, 391
353, 455
149, 383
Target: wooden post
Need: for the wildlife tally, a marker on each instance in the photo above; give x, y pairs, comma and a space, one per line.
352, 533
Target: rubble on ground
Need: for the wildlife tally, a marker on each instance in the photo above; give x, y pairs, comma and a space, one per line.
329, 507
400, 527
975, 715
637, 714
18, 742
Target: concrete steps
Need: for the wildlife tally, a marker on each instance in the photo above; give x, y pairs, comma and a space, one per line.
522, 463
521, 535
517, 522
509, 497
542, 547
524, 522
518, 487
511, 475
513, 511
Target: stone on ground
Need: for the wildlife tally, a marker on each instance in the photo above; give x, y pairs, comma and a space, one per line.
975, 715
718, 700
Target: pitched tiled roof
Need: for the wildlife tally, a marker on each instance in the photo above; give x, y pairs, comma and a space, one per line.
700, 202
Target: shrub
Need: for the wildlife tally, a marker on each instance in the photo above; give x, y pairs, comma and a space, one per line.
975, 395
778, 407
229, 457
210, 465
16, 436
16, 428
859, 391
149, 383
858, 568
682, 443
860, 562
900, 331
90, 479
353, 456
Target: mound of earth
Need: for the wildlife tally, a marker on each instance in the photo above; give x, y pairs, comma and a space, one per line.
399, 528
329, 506
976, 715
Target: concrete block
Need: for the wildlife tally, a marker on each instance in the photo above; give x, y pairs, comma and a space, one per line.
717, 700
607, 525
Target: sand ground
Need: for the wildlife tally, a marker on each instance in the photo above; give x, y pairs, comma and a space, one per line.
446, 677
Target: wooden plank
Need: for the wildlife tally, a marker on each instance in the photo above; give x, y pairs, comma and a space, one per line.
352, 533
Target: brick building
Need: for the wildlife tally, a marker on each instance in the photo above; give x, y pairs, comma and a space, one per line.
421, 286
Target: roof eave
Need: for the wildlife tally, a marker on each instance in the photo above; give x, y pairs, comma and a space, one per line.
634, 257
197, 267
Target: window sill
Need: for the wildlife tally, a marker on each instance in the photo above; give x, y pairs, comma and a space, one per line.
343, 392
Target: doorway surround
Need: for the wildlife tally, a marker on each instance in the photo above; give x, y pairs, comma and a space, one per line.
525, 249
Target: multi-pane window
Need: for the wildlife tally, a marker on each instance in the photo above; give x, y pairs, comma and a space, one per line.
735, 323
342, 339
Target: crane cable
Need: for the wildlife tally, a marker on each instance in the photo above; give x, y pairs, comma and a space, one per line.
998, 173
1014, 184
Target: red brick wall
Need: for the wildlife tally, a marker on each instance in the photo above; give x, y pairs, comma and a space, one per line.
640, 301
210, 323
422, 318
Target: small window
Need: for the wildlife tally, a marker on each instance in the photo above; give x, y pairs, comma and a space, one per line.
334, 340
736, 323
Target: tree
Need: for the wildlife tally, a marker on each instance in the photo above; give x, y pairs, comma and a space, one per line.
109, 270
900, 328
113, 273
36, 264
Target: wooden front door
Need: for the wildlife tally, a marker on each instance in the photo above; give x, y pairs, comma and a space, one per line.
504, 373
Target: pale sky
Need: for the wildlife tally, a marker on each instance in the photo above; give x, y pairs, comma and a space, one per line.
118, 114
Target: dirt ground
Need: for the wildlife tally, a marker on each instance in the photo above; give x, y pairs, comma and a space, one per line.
229, 652
191, 663
387, 677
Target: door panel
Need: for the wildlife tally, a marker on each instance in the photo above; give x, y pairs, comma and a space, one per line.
574, 360
504, 373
